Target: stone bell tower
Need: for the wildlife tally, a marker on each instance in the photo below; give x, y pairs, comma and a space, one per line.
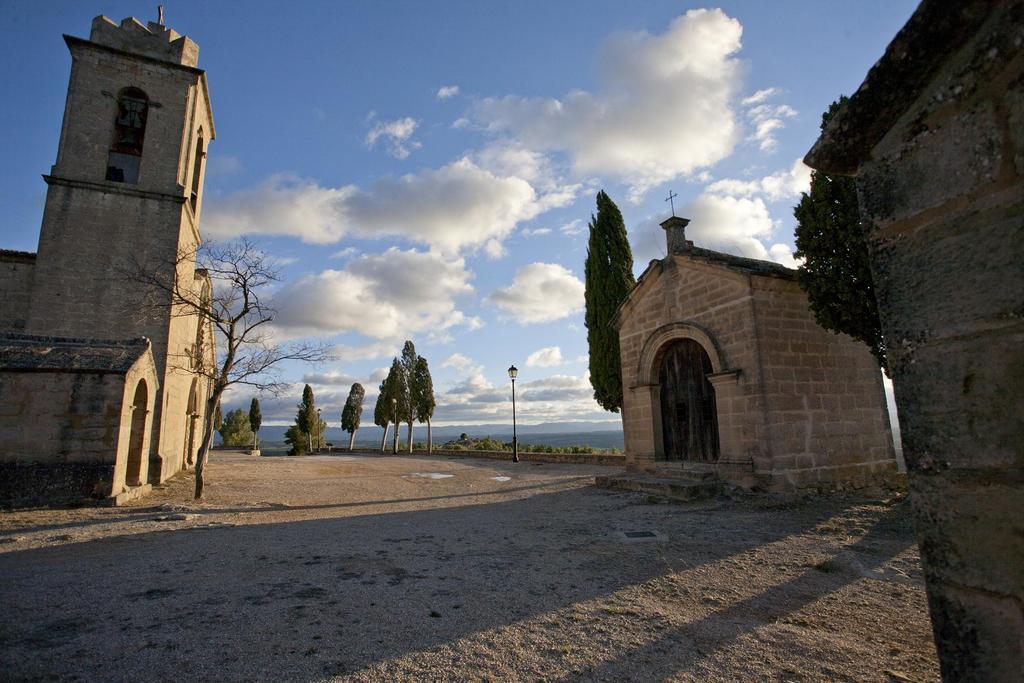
126, 192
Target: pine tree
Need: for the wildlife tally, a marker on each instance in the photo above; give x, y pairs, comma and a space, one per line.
836, 273
255, 419
235, 431
382, 412
352, 413
609, 279
422, 390
409, 369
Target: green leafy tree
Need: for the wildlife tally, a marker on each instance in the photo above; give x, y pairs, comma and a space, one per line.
397, 387
609, 279
352, 413
235, 431
306, 419
297, 439
836, 273
408, 362
422, 390
382, 412
255, 419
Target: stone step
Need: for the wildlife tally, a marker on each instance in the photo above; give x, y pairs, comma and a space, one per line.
696, 472
683, 489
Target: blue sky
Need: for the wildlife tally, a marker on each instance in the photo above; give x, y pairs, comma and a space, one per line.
427, 170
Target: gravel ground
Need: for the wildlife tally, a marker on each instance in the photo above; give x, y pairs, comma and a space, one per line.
364, 568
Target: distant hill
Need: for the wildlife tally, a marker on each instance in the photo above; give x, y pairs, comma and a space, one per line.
594, 435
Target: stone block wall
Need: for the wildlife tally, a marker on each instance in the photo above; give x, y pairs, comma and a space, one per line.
59, 435
826, 412
940, 175
16, 275
715, 301
944, 194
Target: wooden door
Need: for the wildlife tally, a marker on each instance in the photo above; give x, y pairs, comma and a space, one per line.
689, 419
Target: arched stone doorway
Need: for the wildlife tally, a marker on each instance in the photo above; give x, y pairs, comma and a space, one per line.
689, 417
191, 416
137, 439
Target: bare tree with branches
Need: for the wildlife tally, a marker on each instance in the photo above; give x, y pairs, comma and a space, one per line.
234, 302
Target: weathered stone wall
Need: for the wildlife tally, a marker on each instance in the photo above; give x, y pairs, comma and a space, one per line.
96, 232
798, 406
717, 302
52, 419
944, 193
16, 275
826, 413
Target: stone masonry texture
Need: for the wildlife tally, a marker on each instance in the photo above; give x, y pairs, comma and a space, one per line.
936, 140
97, 233
798, 407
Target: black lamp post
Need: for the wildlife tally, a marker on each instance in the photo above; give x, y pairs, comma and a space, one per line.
319, 432
394, 413
512, 372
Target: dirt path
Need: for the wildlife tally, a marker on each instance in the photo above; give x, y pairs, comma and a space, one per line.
362, 568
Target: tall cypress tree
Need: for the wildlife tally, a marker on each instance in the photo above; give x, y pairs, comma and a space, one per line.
382, 412
409, 368
397, 389
609, 279
352, 413
836, 273
306, 419
422, 389
255, 420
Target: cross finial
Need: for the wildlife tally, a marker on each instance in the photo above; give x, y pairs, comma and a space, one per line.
672, 195
160, 14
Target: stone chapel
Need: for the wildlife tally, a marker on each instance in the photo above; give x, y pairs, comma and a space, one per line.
725, 370
101, 392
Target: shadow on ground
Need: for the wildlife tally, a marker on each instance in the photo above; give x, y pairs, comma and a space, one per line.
307, 600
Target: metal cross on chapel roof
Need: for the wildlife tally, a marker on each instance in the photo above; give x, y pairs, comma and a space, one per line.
672, 195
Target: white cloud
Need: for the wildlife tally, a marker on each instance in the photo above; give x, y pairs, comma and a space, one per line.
767, 118
759, 96
457, 361
535, 232
540, 292
558, 397
447, 91
547, 357
730, 224
395, 135
574, 227
783, 254
345, 253
664, 108
735, 225
370, 351
784, 184
384, 296
457, 206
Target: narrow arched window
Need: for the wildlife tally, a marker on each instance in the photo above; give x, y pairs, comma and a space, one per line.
129, 135
197, 167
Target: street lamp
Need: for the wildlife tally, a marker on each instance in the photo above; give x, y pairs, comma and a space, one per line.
319, 432
394, 413
512, 372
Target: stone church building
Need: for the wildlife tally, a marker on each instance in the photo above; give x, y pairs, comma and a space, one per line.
725, 369
102, 388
